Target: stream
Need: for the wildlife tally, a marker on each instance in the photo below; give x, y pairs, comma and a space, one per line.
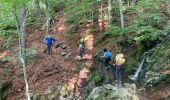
140, 66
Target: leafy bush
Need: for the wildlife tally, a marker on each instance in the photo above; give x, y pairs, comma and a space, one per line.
71, 30
31, 53
111, 31
96, 77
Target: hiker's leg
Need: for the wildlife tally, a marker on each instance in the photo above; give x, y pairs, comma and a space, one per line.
117, 73
84, 55
121, 74
49, 49
106, 63
81, 53
109, 59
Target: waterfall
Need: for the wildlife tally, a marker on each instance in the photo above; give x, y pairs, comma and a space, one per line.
135, 76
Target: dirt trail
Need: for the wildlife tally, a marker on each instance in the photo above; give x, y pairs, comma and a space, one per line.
50, 70
47, 70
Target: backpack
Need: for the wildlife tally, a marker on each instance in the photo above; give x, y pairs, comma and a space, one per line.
82, 48
121, 59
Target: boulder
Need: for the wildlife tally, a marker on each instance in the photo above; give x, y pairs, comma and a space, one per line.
63, 53
113, 92
58, 45
63, 46
151, 78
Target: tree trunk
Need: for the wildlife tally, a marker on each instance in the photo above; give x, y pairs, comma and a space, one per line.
37, 10
102, 17
121, 14
47, 16
21, 32
109, 9
22, 58
134, 2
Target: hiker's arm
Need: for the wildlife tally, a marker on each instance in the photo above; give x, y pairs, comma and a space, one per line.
103, 56
54, 39
116, 62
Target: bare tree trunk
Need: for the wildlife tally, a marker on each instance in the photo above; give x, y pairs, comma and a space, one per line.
37, 10
102, 17
47, 16
21, 32
22, 58
134, 2
121, 14
109, 9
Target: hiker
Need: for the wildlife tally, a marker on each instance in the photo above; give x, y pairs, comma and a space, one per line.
82, 50
107, 58
120, 60
49, 40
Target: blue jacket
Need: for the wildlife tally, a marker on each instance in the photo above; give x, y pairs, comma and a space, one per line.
107, 54
49, 40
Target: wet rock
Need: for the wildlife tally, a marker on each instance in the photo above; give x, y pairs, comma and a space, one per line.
112, 92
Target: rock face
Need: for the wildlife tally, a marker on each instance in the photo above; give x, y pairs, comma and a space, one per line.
114, 92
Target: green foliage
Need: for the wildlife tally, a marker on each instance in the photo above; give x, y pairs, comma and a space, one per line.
8, 42
71, 30
149, 24
31, 53
159, 59
131, 62
3, 88
111, 31
6, 59
8, 72
60, 5
96, 77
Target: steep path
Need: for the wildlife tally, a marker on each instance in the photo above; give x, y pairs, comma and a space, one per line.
46, 70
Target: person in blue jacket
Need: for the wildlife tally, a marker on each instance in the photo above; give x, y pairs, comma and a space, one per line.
49, 40
107, 58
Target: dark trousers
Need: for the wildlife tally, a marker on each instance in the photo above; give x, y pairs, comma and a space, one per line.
106, 62
82, 53
119, 73
49, 48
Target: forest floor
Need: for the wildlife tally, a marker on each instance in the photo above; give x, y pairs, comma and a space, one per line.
49, 70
